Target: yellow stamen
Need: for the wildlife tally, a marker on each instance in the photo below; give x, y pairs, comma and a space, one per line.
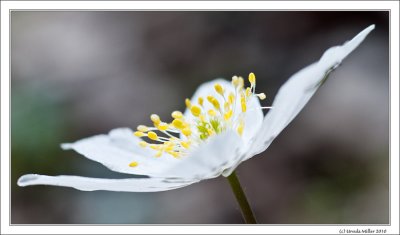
177, 123
176, 114
252, 79
185, 144
168, 146
188, 103
162, 126
200, 100
210, 98
213, 101
204, 122
262, 96
226, 106
174, 154
155, 146
212, 112
142, 128
143, 144
243, 103
228, 115
248, 92
219, 89
231, 98
139, 134
133, 164
240, 83
240, 128
235, 81
152, 135
216, 104
155, 118
195, 110
187, 132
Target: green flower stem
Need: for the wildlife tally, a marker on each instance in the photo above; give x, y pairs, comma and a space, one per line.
241, 198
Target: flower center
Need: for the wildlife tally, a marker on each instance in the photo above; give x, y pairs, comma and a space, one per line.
210, 116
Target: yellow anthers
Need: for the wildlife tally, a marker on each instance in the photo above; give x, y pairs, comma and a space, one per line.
177, 123
168, 146
240, 83
195, 110
152, 135
252, 79
200, 100
162, 126
174, 154
212, 112
177, 114
243, 103
240, 128
133, 164
227, 105
248, 92
235, 81
183, 133
142, 128
155, 146
186, 131
219, 89
143, 144
139, 134
228, 115
185, 144
210, 98
213, 101
261, 96
231, 98
155, 118
188, 103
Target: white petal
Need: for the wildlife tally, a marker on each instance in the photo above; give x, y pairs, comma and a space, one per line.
92, 184
253, 117
119, 148
211, 158
297, 91
253, 120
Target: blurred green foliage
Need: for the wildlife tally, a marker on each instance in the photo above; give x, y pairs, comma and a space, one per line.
38, 126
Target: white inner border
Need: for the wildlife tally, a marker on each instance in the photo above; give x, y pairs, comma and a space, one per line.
393, 6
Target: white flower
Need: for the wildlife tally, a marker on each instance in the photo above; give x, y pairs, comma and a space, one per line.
222, 126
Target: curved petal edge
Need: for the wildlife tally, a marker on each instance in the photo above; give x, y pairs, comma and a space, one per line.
297, 91
93, 184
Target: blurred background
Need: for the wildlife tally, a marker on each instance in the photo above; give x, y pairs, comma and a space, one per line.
77, 74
